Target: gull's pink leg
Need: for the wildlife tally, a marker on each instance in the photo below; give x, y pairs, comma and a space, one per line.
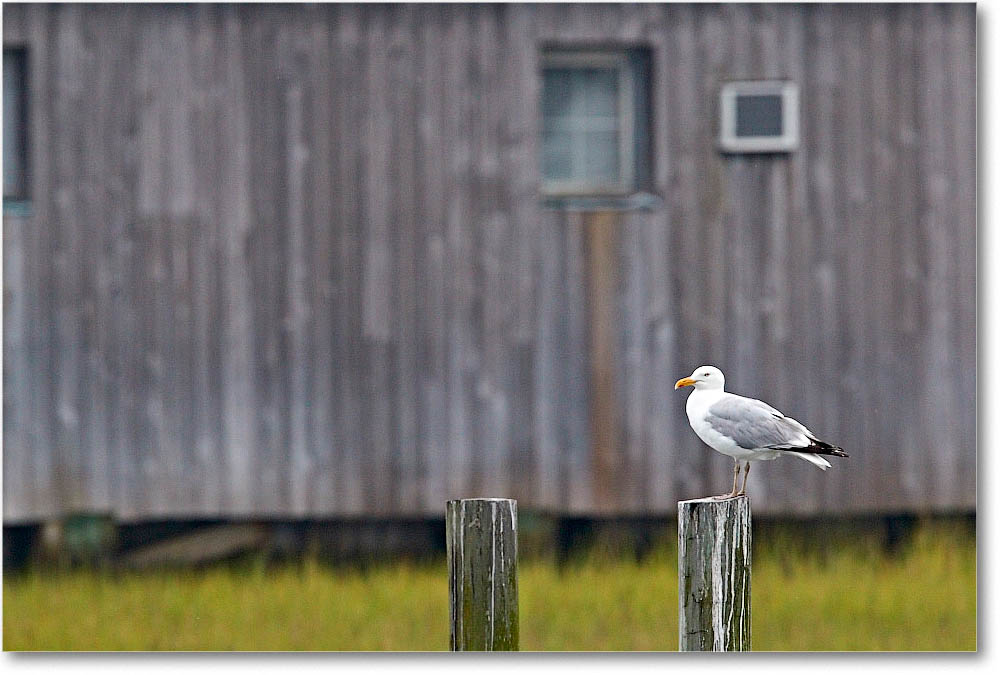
746, 473
736, 475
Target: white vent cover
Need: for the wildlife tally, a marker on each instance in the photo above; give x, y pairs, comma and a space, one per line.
759, 116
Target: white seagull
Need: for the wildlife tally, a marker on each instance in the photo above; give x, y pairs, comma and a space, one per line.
746, 429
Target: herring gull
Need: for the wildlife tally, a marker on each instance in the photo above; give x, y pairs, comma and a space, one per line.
746, 429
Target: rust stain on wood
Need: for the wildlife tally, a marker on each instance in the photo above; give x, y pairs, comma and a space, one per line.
600, 236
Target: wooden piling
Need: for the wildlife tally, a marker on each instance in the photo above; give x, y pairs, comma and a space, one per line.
482, 578
714, 574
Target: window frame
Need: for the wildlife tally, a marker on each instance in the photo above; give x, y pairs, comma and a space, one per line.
22, 190
788, 141
584, 58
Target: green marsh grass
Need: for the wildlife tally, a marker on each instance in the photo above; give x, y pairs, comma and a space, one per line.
845, 595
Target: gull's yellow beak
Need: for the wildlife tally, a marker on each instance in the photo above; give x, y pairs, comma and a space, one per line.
684, 382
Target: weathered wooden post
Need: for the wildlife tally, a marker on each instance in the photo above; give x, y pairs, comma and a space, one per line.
714, 574
482, 574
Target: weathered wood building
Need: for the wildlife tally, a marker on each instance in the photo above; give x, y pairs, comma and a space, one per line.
321, 261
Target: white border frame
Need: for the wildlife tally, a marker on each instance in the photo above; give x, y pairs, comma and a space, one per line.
786, 142
626, 143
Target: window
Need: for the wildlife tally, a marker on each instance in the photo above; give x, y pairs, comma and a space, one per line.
759, 116
15, 150
593, 122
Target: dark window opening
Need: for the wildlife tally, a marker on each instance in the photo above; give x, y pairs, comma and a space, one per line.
758, 116
15, 125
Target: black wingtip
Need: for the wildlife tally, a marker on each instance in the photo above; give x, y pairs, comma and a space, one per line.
824, 448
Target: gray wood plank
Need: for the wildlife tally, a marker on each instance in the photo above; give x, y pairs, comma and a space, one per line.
665, 454
885, 188
747, 201
686, 243
349, 113
823, 407
405, 169
908, 466
16, 364
519, 82
327, 338
548, 384
44, 502
125, 486
300, 279
179, 206
236, 219
852, 122
632, 368
496, 292
265, 41
961, 48
15, 25
205, 395
432, 155
938, 404
463, 356
67, 376
775, 265
379, 310
799, 488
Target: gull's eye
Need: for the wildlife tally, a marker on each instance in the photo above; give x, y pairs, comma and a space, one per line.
706, 374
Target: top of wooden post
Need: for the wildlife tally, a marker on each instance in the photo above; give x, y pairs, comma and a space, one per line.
714, 500
481, 499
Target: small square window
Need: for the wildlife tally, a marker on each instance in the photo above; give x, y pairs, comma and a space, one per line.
759, 116
593, 122
15, 147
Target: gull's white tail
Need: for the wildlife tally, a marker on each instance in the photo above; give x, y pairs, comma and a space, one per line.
812, 459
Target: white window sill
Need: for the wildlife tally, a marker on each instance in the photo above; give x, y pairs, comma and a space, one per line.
637, 201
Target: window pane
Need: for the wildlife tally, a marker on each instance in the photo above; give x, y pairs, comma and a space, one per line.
600, 87
556, 93
557, 156
581, 125
758, 115
13, 123
602, 161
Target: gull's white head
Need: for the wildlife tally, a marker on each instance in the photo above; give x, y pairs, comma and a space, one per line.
703, 377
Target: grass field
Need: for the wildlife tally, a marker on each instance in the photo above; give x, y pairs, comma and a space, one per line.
846, 595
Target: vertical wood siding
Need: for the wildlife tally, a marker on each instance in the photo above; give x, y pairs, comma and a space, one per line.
291, 261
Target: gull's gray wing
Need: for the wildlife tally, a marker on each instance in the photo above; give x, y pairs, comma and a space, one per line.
755, 424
